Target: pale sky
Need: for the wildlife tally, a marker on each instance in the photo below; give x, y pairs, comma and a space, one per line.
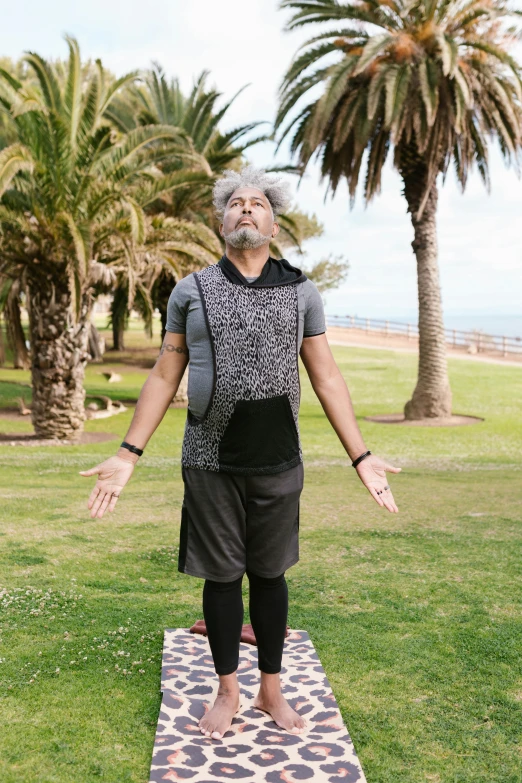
480, 241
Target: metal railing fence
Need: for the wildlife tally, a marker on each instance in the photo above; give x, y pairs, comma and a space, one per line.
473, 340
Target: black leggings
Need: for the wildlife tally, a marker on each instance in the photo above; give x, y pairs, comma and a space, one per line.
223, 612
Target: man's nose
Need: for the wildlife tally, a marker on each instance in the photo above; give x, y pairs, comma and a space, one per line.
246, 208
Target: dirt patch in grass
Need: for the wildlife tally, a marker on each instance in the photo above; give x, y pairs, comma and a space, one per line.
455, 420
13, 414
30, 439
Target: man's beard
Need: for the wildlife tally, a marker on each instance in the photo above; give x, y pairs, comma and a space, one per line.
247, 238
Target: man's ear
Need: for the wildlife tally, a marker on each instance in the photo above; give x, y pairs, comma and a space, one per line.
221, 229
275, 230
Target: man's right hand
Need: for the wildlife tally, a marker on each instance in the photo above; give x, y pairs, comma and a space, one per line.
113, 474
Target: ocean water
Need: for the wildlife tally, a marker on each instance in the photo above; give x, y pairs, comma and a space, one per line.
493, 324
501, 325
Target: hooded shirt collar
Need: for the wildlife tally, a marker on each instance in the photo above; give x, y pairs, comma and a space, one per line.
276, 272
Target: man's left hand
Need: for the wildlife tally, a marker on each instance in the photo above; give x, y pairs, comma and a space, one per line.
372, 472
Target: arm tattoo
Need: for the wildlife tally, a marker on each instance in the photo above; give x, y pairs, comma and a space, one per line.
171, 348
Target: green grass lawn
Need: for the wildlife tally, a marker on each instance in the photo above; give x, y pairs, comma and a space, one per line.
416, 616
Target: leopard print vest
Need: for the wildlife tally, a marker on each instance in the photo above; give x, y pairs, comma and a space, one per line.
251, 423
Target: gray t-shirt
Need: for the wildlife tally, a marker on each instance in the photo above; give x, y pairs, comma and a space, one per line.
185, 315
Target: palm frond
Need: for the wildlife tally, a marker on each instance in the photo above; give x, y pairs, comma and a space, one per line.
49, 84
146, 194
72, 99
397, 83
13, 159
437, 77
112, 163
109, 93
79, 244
137, 218
371, 50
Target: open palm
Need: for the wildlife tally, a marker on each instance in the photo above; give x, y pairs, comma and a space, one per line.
113, 474
372, 472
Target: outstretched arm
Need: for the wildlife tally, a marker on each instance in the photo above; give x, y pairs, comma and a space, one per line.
158, 391
155, 397
332, 392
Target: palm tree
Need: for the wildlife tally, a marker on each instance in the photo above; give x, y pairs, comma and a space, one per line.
178, 247
158, 100
10, 291
430, 79
73, 194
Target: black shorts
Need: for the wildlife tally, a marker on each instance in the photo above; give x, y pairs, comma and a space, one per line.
231, 523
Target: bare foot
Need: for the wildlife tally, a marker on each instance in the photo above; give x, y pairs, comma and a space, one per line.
282, 713
218, 720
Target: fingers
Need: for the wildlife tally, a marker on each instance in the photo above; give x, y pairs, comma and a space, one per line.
389, 502
384, 498
92, 497
113, 502
104, 504
103, 501
376, 497
100, 501
97, 503
91, 471
391, 468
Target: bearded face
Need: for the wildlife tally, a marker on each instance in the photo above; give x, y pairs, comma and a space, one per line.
248, 221
247, 238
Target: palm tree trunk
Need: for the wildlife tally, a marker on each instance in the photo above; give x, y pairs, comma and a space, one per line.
96, 344
118, 331
161, 292
2, 349
163, 321
59, 355
15, 330
432, 394
119, 317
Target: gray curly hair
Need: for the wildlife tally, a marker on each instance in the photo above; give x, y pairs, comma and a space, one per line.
275, 189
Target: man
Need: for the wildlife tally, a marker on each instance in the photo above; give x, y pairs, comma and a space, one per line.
243, 322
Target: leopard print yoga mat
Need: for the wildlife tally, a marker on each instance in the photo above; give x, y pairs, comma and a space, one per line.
255, 749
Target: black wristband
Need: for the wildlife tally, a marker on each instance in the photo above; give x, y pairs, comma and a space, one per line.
134, 449
360, 459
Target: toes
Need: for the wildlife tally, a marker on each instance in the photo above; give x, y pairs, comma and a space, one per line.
215, 735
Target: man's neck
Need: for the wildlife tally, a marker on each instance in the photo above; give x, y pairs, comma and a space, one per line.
249, 262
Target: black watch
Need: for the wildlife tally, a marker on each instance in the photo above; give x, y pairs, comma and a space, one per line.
134, 449
360, 458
